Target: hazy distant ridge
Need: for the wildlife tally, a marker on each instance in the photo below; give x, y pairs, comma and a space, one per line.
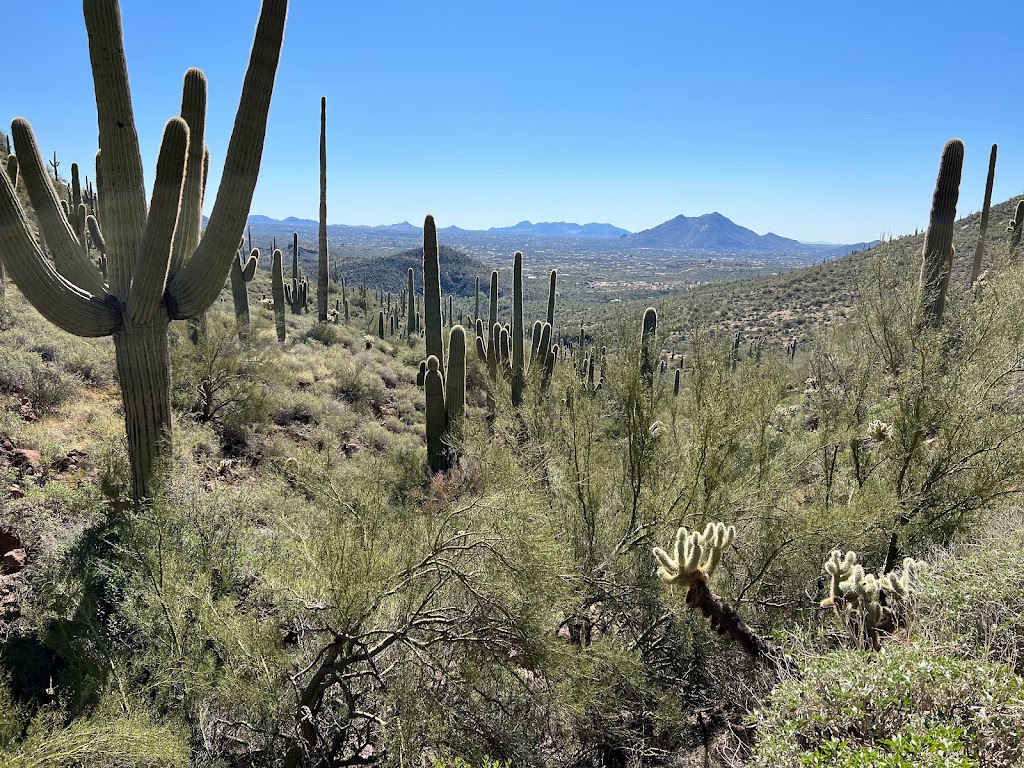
548, 228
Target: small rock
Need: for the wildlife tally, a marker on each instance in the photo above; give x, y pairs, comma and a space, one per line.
15, 560
24, 409
8, 540
24, 458
16, 492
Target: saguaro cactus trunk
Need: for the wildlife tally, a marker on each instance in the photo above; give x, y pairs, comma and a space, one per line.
937, 256
157, 269
986, 209
323, 273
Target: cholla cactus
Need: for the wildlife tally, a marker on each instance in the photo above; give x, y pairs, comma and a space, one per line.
694, 558
868, 605
695, 555
878, 432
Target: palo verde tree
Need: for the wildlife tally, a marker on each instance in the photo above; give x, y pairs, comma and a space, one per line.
158, 269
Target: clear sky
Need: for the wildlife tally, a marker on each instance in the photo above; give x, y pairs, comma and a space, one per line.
816, 120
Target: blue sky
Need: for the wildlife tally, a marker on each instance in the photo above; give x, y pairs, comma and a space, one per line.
820, 121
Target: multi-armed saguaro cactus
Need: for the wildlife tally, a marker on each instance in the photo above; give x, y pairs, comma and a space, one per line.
158, 270
868, 605
242, 272
489, 354
296, 291
324, 267
937, 256
986, 207
693, 561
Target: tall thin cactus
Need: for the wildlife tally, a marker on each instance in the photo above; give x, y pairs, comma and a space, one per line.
433, 385
648, 330
551, 298
410, 319
323, 279
979, 251
518, 332
432, 290
937, 255
277, 291
158, 270
455, 381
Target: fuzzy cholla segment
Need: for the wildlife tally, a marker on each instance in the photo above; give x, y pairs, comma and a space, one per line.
870, 601
695, 555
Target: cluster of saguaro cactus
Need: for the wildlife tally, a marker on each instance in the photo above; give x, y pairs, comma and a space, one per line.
445, 393
937, 256
243, 269
296, 291
866, 604
157, 269
489, 353
695, 556
593, 379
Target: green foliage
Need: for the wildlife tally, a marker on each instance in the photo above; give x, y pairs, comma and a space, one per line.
904, 704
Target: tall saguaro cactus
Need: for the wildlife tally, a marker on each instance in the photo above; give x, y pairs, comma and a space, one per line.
432, 290
157, 269
979, 251
518, 353
937, 257
323, 273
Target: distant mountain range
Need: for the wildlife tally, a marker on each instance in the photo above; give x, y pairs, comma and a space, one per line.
547, 228
711, 233
716, 233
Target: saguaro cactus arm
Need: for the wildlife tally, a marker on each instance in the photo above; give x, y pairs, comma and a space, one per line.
156, 249
56, 229
60, 301
190, 221
197, 285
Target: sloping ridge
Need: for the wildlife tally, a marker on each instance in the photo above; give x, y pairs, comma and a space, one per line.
795, 303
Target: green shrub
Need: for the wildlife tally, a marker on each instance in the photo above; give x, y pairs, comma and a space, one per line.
897, 705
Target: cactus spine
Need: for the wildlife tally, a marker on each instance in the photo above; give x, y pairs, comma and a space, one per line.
937, 255
986, 207
149, 282
324, 266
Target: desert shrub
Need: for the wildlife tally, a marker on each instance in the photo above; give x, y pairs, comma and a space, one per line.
221, 379
971, 600
905, 706
25, 374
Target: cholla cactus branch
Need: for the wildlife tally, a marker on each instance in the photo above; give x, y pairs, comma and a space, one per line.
693, 560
